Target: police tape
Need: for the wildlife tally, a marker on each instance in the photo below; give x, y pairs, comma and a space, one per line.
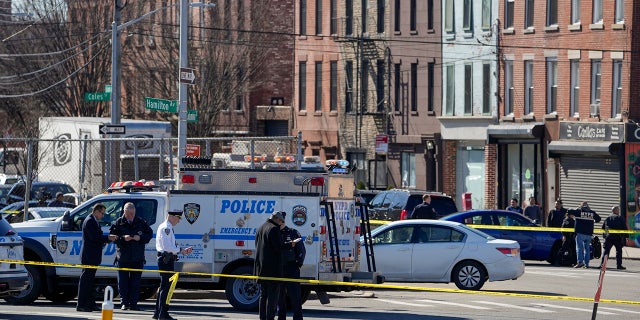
327, 282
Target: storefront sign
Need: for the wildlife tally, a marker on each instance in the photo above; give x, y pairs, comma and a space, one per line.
633, 132
592, 131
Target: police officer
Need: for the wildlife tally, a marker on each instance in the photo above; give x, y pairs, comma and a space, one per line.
293, 259
424, 210
614, 222
132, 233
168, 251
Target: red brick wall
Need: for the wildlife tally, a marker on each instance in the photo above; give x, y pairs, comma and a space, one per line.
449, 168
491, 175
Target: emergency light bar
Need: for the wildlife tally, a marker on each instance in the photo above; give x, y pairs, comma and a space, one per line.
131, 186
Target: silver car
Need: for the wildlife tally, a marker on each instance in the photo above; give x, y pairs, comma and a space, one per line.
13, 276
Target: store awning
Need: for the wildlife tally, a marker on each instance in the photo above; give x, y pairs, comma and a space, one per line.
604, 148
515, 131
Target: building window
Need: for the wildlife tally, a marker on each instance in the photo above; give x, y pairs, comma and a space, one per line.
414, 87
597, 11
529, 11
431, 71
486, 88
448, 16
451, 93
319, 17
240, 81
468, 91
334, 17
364, 86
363, 8
467, 13
508, 85
302, 86
616, 99
552, 85
596, 76
508, 14
349, 17
397, 83
575, 11
348, 87
333, 91
412, 15
552, 12
575, 87
381, 13
318, 91
430, 14
396, 16
528, 86
380, 86
619, 11
303, 17
408, 167
486, 14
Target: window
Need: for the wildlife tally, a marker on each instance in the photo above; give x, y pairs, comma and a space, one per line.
414, 87
429, 14
303, 17
412, 15
241, 20
408, 168
349, 16
450, 94
486, 14
318, 91
468, 91
319, 17
486, 88
552, 85
529, 10
467, 13
431, 85
508, 14
575, 87
302, 86
575, 11
552, 12
397, 235
333, 25
397, 83
364, 86
619, 11
333, 91
396, 16
596, 76
508, 87
448, 16
380, 86
597, 11
380, 20
348, 87
616, 99
528, 87
363, 19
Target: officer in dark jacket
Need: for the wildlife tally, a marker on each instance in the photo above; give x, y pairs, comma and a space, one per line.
614, 222
567, 253
132, 234
91, 254
585, 218
268, 263
293, 258
556, 215
424, 210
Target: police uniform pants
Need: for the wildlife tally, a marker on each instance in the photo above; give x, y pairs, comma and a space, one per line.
129, 282
162, 308
610, 241
292, 291
269, 292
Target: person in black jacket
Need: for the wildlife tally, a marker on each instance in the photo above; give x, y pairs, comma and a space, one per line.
91, 254
614, 222
585, 218
556, 215
268, 263
567, 254
293, 258
424, 210
132, 234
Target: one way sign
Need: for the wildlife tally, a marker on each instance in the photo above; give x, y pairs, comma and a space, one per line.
187, 75
112, 129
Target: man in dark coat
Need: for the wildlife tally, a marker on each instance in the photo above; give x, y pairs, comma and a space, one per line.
133, 234
91, 254
424, 210
585, 219
269, 246
556, 215
293, 258
614, 222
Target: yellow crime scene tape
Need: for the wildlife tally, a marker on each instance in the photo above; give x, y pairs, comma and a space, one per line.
174, 281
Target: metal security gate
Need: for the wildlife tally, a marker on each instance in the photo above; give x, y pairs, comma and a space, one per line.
592, 179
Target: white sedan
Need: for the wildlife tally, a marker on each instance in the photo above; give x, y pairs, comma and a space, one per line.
442, 251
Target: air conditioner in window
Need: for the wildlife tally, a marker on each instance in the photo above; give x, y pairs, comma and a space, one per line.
594, 110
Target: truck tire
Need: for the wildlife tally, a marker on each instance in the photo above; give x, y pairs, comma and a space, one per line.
243, 294
32, 292
61, 295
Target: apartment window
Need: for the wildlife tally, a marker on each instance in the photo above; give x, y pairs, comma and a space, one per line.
508, 14
448, 16
318, 91
380, 86
467, 13
508, 87
451, 90
431, 71
412, 15
364, 85
552, 85
363, 9
333, 25
430, 14
486, 14
348, 4
348, 87
575, 11
333, 91
303, 17
380, 20
552, 12
468, 91
408, 166
575, 87
616, 99
319, 17
414, 87
529, 11
396, 16
597, 11
619, 11
227, 20
397, 83
302, 86
528, 87
241, 19
486, 88
596, 77
240, 81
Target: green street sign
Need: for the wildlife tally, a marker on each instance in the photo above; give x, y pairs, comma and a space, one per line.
107, 88
192, 115
97, 96
161, 105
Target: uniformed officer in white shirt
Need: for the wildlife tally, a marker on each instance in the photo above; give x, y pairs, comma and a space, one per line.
168, 251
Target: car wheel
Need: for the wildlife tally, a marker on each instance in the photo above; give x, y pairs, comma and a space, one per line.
32, 292
243, 294
62, 295
469, 275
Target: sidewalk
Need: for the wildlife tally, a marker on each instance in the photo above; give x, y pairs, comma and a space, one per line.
628, 253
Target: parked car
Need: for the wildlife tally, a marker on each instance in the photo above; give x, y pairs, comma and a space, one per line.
4, 190
40, 190
424, 250
50, 213
10, 179
13, 276
365, 196
534, 244
397, 204
16, 207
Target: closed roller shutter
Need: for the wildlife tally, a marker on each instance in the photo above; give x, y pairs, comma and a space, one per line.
595, 180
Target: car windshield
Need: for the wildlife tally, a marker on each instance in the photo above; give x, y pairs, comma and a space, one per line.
478, 232
50, 213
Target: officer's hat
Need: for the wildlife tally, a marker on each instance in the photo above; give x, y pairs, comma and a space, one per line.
174, 212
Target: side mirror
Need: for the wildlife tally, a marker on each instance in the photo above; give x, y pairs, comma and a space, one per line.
66, 222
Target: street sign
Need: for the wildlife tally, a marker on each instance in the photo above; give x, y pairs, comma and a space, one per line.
192, 150
192, 115
161, 105
107, 88
187, 75
97, 96
112, 129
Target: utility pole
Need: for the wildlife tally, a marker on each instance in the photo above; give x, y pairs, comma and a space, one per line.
115, 90
182, 91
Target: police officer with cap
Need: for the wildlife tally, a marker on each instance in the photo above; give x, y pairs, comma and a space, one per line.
168, 251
